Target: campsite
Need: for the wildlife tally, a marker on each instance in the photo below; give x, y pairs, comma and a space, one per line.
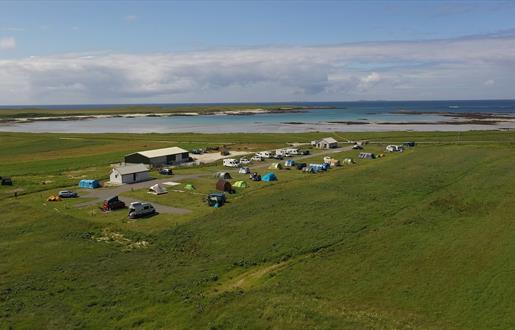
381, 225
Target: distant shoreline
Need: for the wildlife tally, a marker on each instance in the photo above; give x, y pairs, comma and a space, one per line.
27, 115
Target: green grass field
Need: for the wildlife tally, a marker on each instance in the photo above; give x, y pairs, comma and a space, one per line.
424, 239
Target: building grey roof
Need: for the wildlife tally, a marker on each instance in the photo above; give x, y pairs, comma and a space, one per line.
130, 169
329, 140
162, 152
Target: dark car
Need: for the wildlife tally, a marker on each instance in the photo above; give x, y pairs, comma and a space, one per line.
357, 147
113, 203
7, 182
300, 166
67, 194
409, 144
305, 152
216, 199
166, 171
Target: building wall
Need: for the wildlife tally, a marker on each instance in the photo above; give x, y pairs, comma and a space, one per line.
136, 159
135, 177
115, 177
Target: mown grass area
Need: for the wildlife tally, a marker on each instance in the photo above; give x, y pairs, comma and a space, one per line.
423, 239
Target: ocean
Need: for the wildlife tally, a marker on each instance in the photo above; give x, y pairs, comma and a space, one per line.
343, 116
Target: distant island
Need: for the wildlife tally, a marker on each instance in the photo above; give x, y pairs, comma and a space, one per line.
48, 114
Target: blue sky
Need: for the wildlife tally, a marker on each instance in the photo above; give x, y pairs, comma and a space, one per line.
117, 37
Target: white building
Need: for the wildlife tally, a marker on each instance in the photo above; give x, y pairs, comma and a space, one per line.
326, 143
129, 174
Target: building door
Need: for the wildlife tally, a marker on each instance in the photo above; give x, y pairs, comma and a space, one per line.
134, 177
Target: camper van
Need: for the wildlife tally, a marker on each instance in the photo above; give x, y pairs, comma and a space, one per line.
264, 154
282, 152
141, 209
231, 162
293, 151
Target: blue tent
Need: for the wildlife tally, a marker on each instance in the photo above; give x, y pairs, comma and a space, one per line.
90, 184
289, 162
269, 177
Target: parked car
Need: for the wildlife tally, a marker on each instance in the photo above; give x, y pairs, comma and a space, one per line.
264, 154
216, 199
300, 166
394, 148
113, 203
244, 161
141, 209
166, 171
257, 158
7, 182
357, 147
67, 194
305, 152
278, 156
230, 162
409, 144
197, 151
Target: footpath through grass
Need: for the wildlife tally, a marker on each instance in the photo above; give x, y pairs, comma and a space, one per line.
423, 239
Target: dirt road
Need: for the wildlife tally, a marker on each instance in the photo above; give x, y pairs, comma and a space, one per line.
102, 194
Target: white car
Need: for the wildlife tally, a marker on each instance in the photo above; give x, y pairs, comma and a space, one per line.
230, 162
257, 158
141, 209
244, 161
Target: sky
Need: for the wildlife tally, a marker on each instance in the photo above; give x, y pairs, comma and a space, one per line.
77, 52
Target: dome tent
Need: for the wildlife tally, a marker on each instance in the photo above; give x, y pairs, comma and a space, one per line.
240, 184
269, 177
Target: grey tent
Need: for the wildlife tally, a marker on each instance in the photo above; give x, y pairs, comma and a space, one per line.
223, 175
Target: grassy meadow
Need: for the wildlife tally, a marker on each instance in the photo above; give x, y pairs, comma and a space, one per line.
423, 239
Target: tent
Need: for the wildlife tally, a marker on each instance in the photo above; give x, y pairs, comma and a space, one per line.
244, 170
240, 184
269, 177
320, 167
309, 169
348, 161
223, 185
289, 163
275, 166
366, 155
89, 184
189, 186
157, 190
223, 175
334, 162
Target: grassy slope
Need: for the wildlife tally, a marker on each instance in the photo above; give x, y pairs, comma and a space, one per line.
423, 239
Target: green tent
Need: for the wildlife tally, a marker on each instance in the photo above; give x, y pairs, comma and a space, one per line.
240, 184
189, 186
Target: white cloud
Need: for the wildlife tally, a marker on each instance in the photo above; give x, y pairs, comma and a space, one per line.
7, 43
440, 69
489, 82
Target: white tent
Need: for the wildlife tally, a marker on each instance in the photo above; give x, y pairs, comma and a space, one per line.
244, 170
157, 190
